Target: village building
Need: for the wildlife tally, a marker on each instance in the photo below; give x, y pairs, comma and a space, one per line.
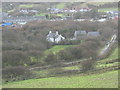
54, 37
22, 19
26, 11
113, 14
85, 9
82, 34
93, 34
102, 20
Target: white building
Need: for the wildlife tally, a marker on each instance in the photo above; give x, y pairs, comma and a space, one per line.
54, 37
102, 20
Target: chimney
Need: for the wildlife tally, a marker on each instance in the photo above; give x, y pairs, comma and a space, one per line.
50, 32
56, 32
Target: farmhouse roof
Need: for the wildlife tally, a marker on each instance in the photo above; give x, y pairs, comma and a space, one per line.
80, 32
94, 33
52, 35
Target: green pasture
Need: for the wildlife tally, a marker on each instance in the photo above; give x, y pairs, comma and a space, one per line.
107, 9
102, 80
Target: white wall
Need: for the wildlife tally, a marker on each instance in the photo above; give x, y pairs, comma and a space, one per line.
50, 39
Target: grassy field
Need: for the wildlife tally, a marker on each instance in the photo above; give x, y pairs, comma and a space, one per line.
60, 6
57, 48
107, 9
72, 68
43, 14
108, 79
61, 15
98, 80
96, 3
114, 54
10, 11
26, 6
104, 80
40, 14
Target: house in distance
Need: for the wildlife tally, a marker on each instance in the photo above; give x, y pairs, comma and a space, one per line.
54, 37
82, 34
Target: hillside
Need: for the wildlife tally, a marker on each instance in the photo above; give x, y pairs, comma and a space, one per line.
110, 80
61, 45
83, 80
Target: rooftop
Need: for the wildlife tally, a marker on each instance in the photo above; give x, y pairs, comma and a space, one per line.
94, 33
80, 32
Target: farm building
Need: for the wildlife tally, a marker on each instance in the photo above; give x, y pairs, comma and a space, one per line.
54, 37
82, 34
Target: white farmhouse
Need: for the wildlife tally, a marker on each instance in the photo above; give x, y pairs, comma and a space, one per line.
54, 37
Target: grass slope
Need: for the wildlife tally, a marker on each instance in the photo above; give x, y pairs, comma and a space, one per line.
60, 5
104, 80
97, 3
26, 6
57, 48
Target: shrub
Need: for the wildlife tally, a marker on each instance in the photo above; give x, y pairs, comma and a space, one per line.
87, 49
51, 58
69, 42
55, 71
87, 65
65, 55
16, 73
14, 58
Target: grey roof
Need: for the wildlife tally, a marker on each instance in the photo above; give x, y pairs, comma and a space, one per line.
115, 11
94, 33
80, 32
52, 35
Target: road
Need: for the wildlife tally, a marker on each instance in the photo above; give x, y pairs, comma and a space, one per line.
111, 42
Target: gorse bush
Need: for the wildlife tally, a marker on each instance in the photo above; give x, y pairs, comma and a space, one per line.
15, 73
